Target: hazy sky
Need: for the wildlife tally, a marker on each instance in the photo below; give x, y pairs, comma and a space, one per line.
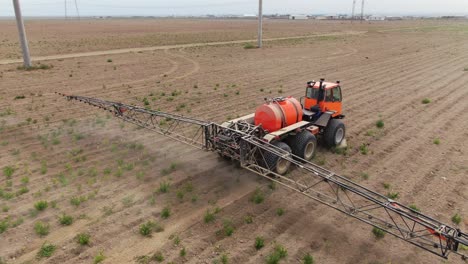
199, 7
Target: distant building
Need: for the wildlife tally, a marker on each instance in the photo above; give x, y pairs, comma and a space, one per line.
393, 18
322, 17
376, 18
249, 16
327, 17
298, 17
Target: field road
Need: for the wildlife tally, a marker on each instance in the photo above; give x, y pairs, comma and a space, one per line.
165, 47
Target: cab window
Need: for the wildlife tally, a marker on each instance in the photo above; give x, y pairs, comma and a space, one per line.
328, 95
337, 94
312, 93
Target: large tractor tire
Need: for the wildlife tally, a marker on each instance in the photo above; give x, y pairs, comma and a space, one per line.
274, 162
303, 145
334, 133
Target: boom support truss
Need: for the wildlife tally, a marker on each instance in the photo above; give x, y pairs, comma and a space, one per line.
241, 142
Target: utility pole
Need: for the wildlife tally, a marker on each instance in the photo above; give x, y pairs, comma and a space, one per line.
66, 16
260, 23
22, 34
354, 9
362, 10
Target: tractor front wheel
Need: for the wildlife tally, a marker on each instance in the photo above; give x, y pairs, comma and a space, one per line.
334, 133
275, 162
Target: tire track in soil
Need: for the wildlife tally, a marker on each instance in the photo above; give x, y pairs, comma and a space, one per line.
184, 222
428, 113
95, 161
400, 138
130, 190
367, 92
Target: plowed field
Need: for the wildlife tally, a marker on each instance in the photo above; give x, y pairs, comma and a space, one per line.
111, 177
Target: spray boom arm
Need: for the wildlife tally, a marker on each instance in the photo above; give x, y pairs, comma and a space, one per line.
241, 142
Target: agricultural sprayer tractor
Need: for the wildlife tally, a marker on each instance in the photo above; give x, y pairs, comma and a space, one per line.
293, 126
279, 140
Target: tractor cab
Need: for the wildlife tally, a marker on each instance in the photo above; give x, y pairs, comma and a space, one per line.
323, 97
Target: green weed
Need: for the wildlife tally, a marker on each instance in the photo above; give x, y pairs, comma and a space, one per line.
164, 187
166, 212
22, 190
378, 233
364, 149
209, 216
364, 175
36, 67
147, 228
258, 196
228, 228
380, 124
279, 211
77, 200
259, 243
248, 219
99, 258
83, 239
158, 256
392, 195
249, 46
278, 254
41, 205
41, 228
127, 201
457, 219
176, 240
308, 259
8, 171
46, 250
180, 195
414, 208
66, 220
4, 224
25, 180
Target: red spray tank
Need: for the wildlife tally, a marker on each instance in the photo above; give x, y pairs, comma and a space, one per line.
278, 113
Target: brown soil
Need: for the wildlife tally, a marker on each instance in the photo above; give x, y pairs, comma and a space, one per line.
69, 150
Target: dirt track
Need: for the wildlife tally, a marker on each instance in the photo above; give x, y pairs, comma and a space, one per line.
165, 47
385, 75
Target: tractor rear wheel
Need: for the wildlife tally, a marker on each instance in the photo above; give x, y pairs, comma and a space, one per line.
303, 145
274, 162
334, 132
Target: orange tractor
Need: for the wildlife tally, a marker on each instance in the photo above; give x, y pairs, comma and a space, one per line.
294, 126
